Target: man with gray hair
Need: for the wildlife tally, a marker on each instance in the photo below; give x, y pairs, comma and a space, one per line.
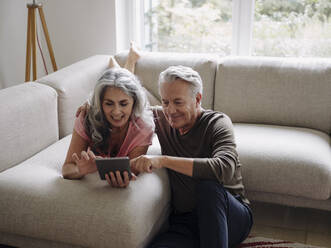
199, 151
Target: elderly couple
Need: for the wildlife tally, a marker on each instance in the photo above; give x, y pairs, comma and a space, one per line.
209, 208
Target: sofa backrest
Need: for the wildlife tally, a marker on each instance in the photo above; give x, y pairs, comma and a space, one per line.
280, 91
74, 85
29, 122
150, 64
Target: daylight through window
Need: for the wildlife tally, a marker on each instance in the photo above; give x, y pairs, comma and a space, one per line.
280, 27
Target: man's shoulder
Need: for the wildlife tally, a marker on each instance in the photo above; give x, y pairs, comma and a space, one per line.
158, 114
216, 119
215, 115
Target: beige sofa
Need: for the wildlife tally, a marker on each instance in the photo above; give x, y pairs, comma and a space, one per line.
280, 107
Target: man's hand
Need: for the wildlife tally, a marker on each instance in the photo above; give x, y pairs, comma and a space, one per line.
83, 109
146, 163
116, 180
86, 162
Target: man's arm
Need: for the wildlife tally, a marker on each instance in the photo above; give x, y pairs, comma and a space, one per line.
147, 163
223, 162
178, 164
220, 166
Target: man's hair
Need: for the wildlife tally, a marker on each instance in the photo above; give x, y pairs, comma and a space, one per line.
184, 73
96, 123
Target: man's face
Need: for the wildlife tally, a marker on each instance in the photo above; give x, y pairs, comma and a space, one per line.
180, 107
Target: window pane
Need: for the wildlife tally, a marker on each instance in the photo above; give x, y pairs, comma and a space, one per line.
188, 26
292, 28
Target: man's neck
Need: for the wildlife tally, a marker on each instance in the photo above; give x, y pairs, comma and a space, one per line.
187, 128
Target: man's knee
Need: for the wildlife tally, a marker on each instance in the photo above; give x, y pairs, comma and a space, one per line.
211, 191
207, 186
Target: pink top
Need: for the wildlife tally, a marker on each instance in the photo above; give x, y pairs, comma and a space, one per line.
139, 134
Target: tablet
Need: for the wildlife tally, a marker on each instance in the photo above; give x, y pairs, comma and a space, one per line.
106, 165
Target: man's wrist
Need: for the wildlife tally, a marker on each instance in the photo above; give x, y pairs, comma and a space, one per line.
164, 161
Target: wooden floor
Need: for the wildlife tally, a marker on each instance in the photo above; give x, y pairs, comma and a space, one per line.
308, 226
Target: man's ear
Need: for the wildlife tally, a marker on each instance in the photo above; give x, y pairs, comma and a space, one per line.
198, 99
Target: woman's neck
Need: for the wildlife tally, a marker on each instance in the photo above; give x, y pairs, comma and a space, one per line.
116, 139
119, 130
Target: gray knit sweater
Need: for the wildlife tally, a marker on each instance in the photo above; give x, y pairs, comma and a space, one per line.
211, 144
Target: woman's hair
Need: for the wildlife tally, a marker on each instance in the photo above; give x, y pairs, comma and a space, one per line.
96, 124
184, 73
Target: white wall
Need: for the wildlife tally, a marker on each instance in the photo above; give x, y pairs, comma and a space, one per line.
78, 29
13, 16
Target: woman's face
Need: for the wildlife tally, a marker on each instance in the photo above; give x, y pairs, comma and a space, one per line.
117, 107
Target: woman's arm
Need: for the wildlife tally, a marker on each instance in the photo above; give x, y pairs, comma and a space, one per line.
137, 151
78, 147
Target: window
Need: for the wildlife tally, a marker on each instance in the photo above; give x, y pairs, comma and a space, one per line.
238, 27
189, 26
292, 28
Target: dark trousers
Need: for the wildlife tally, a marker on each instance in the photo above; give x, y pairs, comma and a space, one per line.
219, 220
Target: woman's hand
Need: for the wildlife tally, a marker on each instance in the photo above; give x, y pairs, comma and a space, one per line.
83, 109
117, 181
86, 162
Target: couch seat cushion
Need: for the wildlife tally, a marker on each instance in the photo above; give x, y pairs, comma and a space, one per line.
286, 160
35, 201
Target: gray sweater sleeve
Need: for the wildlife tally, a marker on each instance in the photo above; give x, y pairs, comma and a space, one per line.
221, 166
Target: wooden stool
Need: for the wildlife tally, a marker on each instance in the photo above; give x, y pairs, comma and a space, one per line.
31, 40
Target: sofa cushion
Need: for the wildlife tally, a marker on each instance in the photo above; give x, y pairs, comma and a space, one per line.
279, 91
289, 200
35, 201
285, 160
153, 100
74, 85
29, 122
150, 65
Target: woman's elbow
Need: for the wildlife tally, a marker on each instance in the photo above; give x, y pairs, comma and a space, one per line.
64, 172
69, 171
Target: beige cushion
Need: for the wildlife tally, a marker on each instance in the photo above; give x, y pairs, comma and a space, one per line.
150, 65
38, 203
74, 84
285, 160
153, 100
29, 242
280, 91
288, 200
28, 122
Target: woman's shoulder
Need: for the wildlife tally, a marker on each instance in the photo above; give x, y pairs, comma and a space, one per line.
139, 134
79, 126
140, 126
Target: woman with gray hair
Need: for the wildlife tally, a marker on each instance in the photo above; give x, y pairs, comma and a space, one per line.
117, 124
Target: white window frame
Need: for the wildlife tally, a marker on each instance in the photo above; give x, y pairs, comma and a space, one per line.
130, 25
242, 22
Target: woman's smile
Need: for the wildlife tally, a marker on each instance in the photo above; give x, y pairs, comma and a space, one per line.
117, 107
117, 118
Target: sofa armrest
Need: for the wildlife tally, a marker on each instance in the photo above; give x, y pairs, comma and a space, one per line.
29, 122
74, 85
